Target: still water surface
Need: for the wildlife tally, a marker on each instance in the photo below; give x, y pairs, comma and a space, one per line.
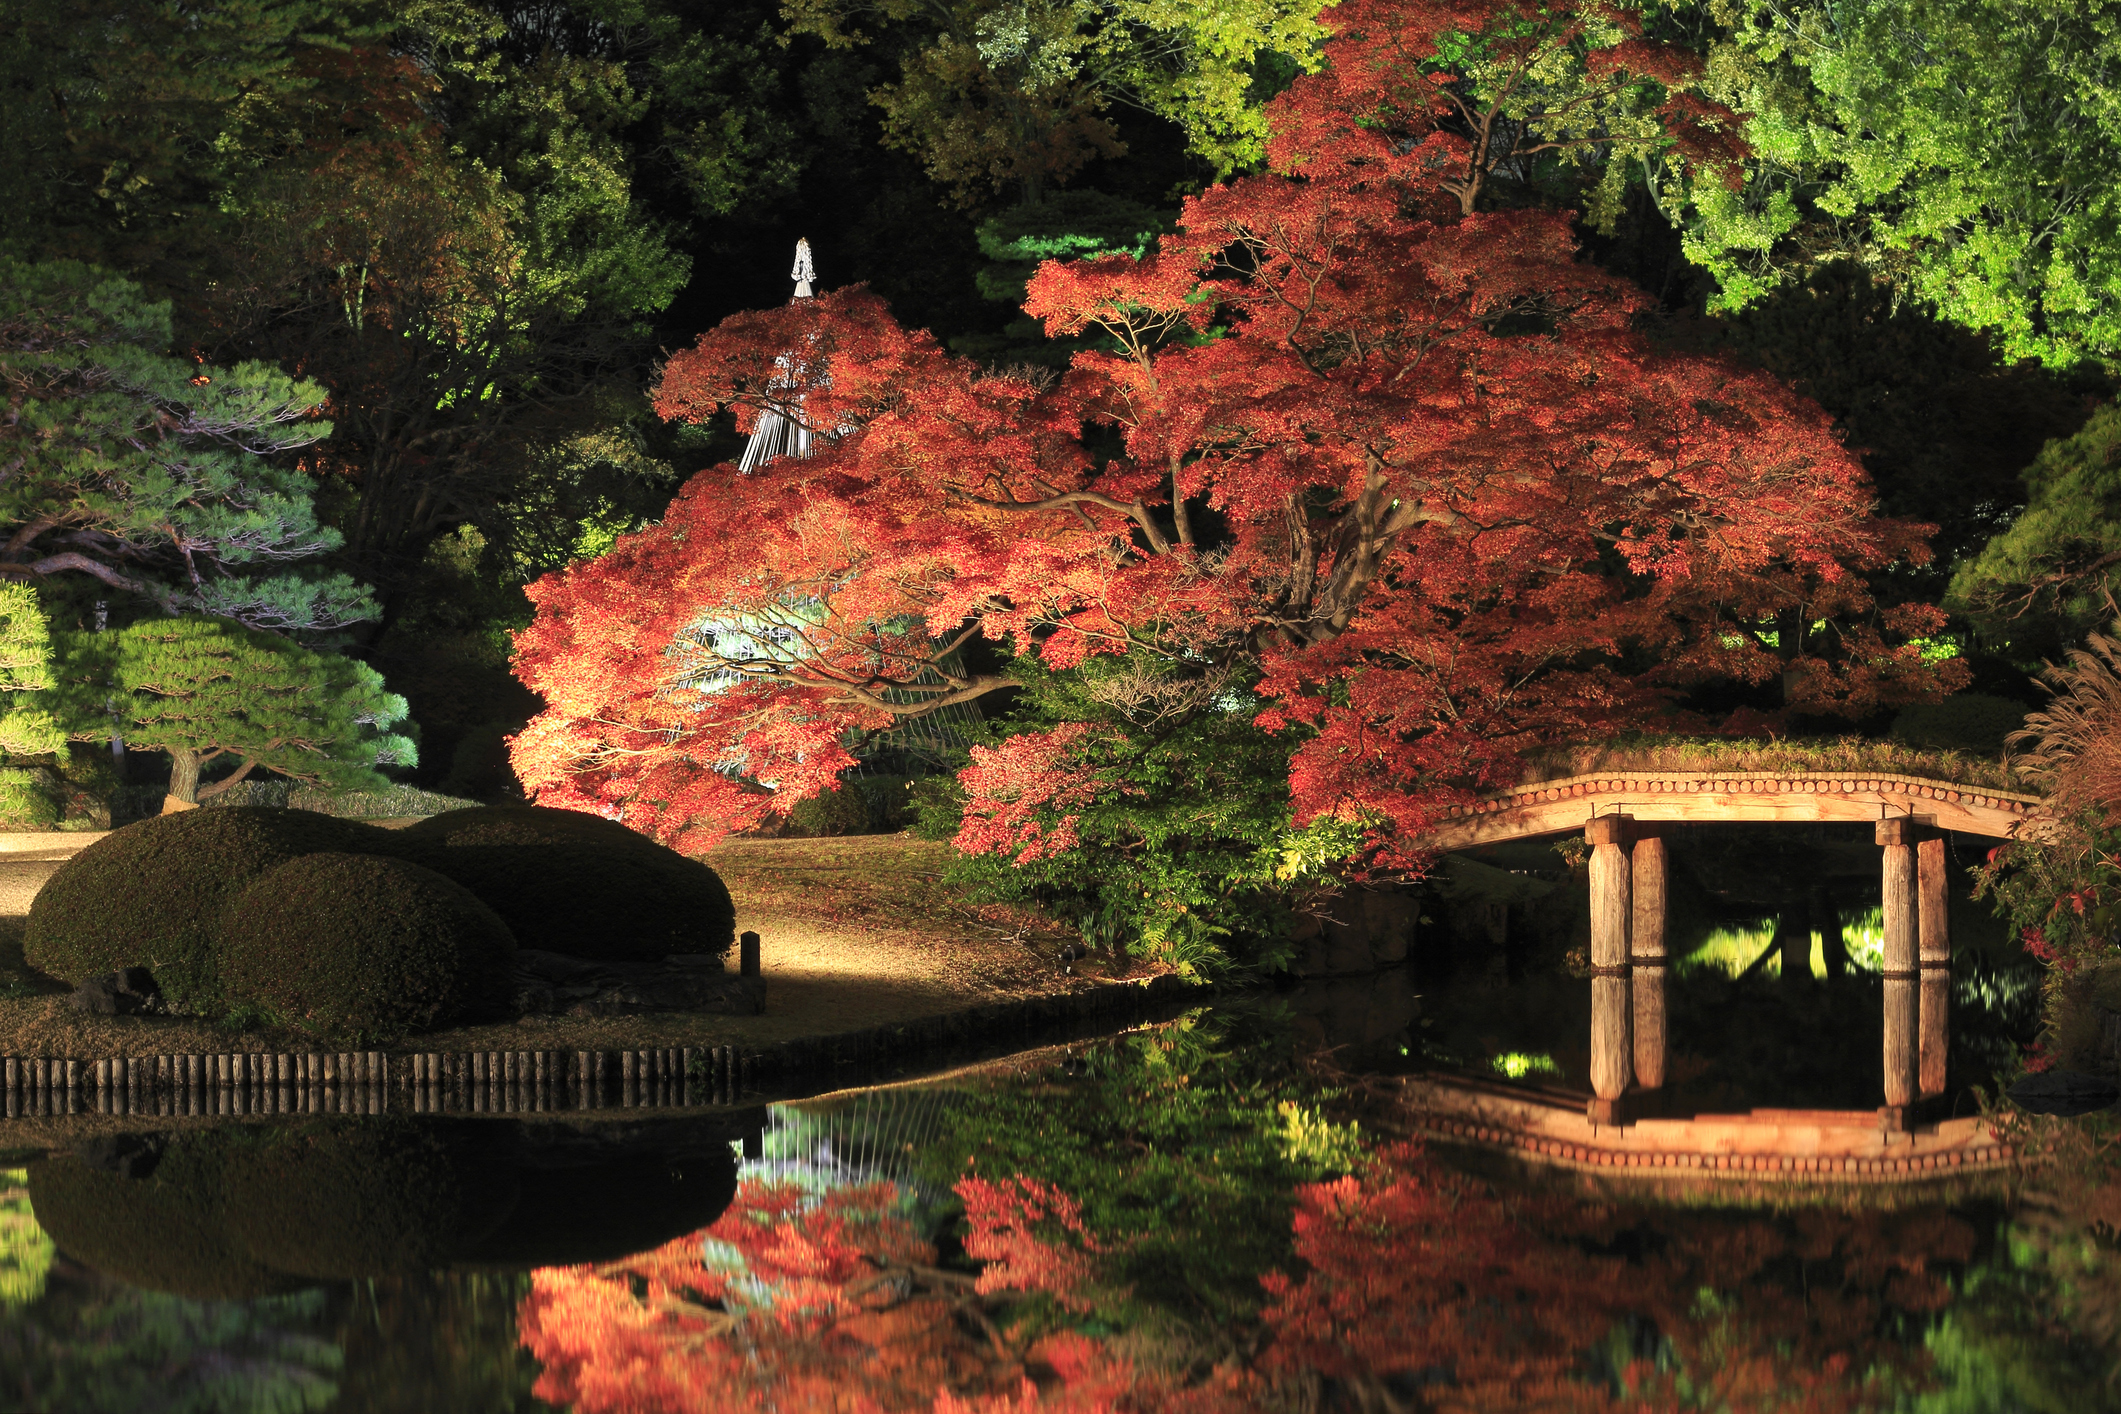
1209, 1214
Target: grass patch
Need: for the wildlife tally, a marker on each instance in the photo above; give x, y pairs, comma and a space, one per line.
1841, 753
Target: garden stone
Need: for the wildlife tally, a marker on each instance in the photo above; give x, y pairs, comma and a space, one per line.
124, 993
559, 969
552, 983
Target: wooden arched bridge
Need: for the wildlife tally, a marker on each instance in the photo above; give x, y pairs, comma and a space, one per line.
1705, 797
1622, 813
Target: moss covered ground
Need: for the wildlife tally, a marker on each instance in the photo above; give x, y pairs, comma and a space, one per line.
1803, 754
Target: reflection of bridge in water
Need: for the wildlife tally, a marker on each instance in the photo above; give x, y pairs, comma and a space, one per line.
1623, 814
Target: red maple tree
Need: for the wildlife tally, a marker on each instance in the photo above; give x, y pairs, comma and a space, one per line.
1408, 461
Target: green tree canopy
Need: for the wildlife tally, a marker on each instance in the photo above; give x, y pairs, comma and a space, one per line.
427, 208
1967, 148
167, 479
2052, 575
202, 690
27, 726
997, 95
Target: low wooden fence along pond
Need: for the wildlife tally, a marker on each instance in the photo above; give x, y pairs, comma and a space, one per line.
371, 1082
534, 1081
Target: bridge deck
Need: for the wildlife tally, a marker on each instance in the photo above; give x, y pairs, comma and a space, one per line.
1705, 797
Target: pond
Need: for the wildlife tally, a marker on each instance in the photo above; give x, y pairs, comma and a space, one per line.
1220, 1211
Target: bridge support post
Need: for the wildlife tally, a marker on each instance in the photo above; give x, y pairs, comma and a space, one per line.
1646, 957
1896, 837
1933, 888
1611, 918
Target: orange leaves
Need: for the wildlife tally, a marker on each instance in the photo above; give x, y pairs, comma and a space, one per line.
1006, 1219
790, 1301
1008, 786
1129, 298
1412, 1277
1426, 484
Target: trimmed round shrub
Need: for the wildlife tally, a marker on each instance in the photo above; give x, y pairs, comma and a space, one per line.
574, 883
152, 894
338, 1197
167, 1232
354, 944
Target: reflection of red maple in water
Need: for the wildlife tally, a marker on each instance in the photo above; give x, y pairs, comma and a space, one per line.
1420, 1289
835, 1305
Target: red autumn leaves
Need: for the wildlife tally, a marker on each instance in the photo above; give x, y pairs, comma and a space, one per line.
1407, 1272
1415, 470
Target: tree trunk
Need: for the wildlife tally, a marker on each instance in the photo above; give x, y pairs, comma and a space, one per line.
183, 774
1833, 947
1793, 940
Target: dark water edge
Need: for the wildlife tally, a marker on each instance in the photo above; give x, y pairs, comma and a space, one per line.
409, 1262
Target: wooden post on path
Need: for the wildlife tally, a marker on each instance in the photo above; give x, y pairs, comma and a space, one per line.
1611, 918
1896, 838
1933, 887
1646, 877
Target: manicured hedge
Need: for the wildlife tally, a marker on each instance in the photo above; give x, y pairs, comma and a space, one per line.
354, 944
574, 883
152, 894
346, 928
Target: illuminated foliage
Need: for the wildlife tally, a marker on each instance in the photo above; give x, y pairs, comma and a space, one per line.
1964, 147
1009, 94
203, 689
154, 475
1409, 468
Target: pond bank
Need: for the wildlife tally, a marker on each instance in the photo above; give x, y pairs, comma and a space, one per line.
861, 938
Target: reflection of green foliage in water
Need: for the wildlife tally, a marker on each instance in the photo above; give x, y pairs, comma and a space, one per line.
104, 1348
25, 1252
1176, 1144
2023, 1334
2039, 1327
438, 1341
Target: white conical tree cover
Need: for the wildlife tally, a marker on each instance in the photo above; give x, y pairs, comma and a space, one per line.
777, 435
723, 648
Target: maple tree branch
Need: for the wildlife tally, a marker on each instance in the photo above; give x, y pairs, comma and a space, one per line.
1136, 512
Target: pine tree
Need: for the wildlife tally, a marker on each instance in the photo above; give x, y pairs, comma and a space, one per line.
206, 689
27, 726
151, 474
